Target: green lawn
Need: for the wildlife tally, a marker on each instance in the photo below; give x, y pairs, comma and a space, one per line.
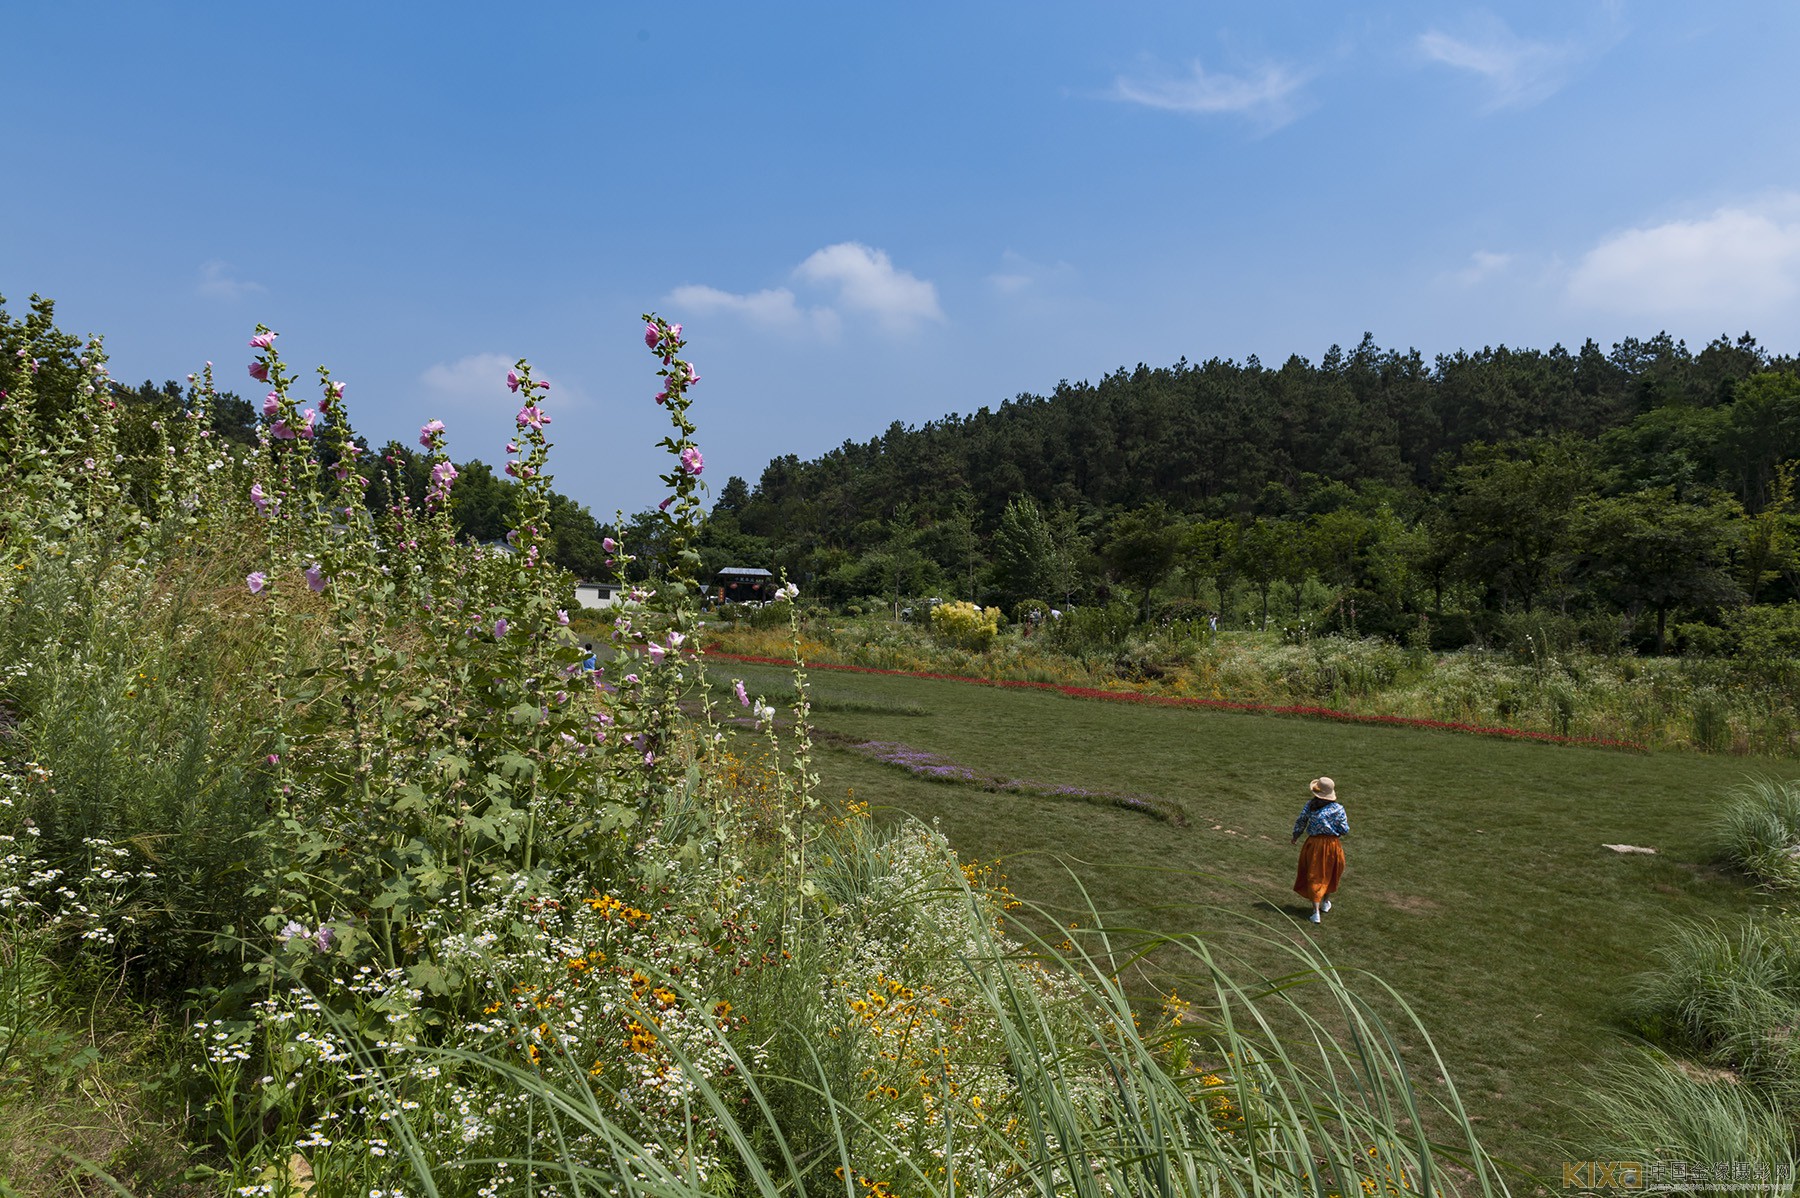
1478, 884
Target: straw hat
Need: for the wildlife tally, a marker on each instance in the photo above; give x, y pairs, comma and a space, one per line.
1325, 788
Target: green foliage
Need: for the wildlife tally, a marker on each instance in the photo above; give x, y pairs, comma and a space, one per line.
1030, 611
1647, 482
1092, 630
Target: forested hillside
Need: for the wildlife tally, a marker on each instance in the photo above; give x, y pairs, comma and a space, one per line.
1638, 488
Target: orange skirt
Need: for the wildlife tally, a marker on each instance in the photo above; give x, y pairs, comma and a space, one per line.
1321, 865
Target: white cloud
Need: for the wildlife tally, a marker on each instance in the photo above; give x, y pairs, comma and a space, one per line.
1483, 265
859, 278
476, 377
1266, 94
1018, 274
774, 308
1517, 71
1735, 265
867, 280
216, 282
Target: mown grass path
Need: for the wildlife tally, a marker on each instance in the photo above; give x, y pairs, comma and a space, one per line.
1478, 887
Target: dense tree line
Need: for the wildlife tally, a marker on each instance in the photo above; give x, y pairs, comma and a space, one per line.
1635, 489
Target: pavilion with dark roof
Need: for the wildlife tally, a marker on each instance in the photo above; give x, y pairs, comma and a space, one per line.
743, 584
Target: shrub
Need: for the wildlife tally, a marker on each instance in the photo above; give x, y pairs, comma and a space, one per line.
963, 624
1764, 631
1087, 631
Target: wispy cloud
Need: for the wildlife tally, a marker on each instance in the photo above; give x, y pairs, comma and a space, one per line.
1738, 264
1483, 265
774, 308
476, 377
1019, 275
1267, 94
855, 278
217, 282
1518, 72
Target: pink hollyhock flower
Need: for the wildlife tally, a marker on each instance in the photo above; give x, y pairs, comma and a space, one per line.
271, 404
562, 617
442, 475
500, 628
275, 759
512, 447
544, 384
657, 652
662, 397
737, 684
259, 371
308, 418
512, 380
262, 341
651, 336
88, 462
428, 430
512, 468
691, 461
315, 578
675, 332
260, 498
693, 376
608, 544
664, 505
532, 416
336, 390
281, 431
256, 580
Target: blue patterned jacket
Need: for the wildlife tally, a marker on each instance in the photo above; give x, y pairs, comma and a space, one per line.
1328, 820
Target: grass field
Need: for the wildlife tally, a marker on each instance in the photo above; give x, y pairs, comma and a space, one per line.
1478, 887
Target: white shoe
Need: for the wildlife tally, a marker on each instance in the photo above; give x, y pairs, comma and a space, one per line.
1314, 917
1327, 905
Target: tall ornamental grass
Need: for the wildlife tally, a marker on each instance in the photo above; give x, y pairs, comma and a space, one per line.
1654, 1108
1759, 832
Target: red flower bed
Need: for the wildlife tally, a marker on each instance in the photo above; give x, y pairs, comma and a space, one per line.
1318, 713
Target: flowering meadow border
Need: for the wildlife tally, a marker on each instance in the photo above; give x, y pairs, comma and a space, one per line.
1317, 713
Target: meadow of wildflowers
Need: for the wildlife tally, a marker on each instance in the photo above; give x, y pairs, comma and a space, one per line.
427, 906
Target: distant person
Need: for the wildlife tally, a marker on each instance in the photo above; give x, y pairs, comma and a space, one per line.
589, 663
1212, 621
1322, 822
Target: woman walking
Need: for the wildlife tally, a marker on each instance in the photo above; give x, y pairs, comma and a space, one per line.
1322, 822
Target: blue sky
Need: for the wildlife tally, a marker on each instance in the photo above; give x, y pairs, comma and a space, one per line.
865, 213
